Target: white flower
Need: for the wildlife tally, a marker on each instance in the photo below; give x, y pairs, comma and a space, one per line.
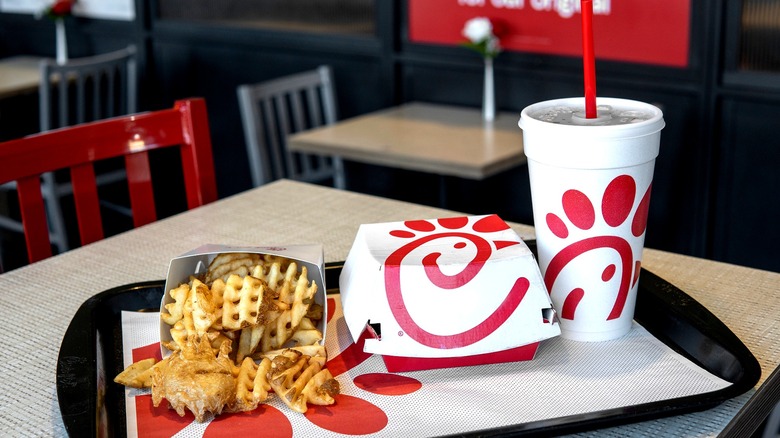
478, 29
479, 33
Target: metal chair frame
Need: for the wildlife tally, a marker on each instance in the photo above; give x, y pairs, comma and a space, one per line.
84, 89
274, 109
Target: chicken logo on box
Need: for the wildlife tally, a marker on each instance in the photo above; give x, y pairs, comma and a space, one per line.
445, 288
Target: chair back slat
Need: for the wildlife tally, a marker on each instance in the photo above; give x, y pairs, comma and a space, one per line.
273, 110
111, 83
329, 107
298, 112
36, 233
99, 86
139, 183
272, 137
132, 85
24, 160
63, 105
315, 107
299, 165
254, 132
85, 198
81, 106
284, 130
196, 153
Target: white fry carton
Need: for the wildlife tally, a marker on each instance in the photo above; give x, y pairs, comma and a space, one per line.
445, 292
196, 262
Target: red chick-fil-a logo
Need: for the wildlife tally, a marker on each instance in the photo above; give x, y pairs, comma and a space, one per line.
450, 228
616, 207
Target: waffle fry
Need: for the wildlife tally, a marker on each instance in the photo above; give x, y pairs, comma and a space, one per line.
321, 389
295, 296
137, 375
303, 297
205, 307
308, 350
217, 338
226, 264
306, 337
252, 384
176, 309
248, 341
244, 302
179, 335
271, 274
293, 376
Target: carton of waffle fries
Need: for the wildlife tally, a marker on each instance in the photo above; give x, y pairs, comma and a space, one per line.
261, 298
446, 292
235, 324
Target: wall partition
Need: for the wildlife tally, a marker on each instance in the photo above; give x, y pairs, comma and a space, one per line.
746, 107
349, 17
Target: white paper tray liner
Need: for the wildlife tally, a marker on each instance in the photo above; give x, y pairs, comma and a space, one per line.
565, 378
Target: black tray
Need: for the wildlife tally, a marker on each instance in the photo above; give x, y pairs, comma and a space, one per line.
664, 310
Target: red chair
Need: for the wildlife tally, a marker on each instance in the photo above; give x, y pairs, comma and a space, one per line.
78, 147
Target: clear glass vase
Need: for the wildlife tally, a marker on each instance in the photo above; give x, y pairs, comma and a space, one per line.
488, 93
62, 42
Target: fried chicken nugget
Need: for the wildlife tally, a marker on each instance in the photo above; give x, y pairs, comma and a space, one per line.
196, 378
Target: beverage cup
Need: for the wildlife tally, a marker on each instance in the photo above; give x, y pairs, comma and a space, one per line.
590, 189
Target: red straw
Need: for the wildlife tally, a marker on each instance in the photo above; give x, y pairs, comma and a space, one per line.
588, 59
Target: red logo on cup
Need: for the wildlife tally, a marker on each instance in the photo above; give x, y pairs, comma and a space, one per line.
616, 206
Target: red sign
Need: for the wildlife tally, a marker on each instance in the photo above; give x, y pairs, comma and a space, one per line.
640, 31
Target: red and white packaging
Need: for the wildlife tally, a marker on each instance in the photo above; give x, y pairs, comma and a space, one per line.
196, 262
445, 292
591, 181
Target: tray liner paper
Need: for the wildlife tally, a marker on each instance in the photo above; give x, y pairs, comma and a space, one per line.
565, 378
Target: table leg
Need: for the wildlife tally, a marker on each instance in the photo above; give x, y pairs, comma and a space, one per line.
442, 191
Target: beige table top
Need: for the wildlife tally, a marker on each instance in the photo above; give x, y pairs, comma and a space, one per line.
38, 301
440, 139
18, 75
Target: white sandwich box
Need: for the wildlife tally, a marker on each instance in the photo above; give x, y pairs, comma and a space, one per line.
445, 292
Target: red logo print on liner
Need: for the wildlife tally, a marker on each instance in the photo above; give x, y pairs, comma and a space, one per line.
452, 228
349, 415
616, 206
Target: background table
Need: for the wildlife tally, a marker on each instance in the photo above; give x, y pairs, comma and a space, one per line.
439, 139
19, 75
38, 301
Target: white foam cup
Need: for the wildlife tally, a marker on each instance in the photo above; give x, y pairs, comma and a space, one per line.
590, 187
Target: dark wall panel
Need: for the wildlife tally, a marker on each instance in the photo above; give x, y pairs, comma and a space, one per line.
745, 224
715, 177
677, 218
213, 71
